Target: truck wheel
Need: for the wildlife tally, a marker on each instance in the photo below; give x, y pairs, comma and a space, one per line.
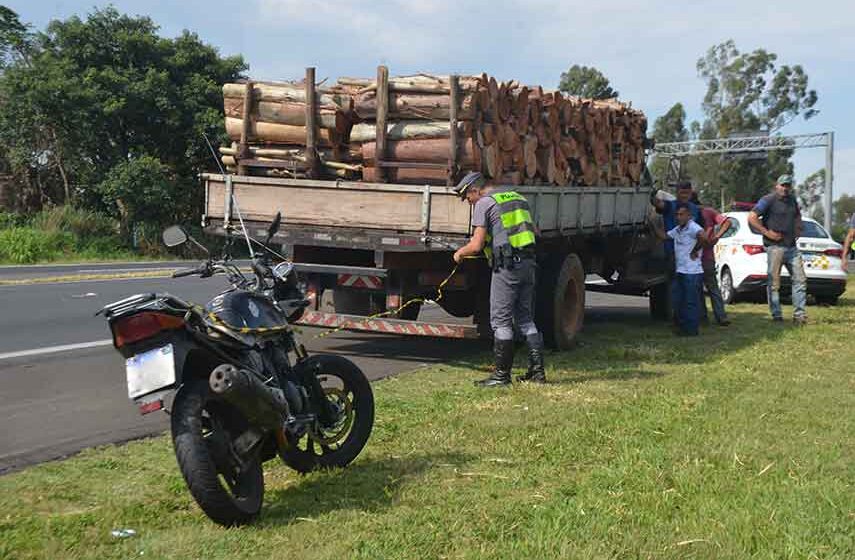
660, 302
560, 308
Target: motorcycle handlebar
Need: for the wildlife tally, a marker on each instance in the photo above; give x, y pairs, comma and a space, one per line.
188, 272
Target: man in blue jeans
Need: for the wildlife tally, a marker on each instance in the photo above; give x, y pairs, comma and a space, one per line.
688, 238
777, 217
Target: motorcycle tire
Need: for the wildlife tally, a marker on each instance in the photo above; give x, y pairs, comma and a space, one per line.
227, 499
306, 453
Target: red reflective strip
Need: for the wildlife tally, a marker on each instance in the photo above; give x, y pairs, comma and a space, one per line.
152, 406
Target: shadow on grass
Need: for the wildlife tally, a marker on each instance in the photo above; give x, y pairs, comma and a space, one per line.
622, 344
368, 485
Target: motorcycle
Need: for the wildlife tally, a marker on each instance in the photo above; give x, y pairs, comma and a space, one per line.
245, 389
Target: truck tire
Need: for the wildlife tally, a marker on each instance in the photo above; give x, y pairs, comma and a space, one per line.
560, 306
660, 302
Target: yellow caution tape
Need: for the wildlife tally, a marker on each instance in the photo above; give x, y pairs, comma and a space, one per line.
261, 330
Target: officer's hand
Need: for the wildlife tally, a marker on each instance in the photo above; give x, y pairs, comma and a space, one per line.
457, 256
774, 235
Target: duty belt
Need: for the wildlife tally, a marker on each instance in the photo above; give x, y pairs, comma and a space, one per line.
507, 257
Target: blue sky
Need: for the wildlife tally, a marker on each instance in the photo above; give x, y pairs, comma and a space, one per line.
648, 50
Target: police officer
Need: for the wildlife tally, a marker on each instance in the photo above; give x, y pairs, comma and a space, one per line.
505, 232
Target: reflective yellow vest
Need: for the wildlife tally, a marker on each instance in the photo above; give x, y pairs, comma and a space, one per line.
516, 220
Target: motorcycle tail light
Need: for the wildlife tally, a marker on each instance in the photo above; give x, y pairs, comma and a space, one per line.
834, 253
143, 325
753, 249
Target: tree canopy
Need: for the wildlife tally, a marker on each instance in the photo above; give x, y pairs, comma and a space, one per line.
93, 96
585, 81
746, 94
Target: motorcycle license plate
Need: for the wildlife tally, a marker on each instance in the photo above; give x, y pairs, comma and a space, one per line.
150, 371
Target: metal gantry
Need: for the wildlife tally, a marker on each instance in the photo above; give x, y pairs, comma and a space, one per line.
748, 144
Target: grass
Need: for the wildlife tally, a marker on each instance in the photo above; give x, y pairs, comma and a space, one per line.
738, 444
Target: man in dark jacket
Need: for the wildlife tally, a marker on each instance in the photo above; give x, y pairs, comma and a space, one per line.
777, 217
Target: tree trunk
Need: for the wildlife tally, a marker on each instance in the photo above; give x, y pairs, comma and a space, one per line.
401, 130
425, 151
284, 92
277, 133
287, 112
414, 106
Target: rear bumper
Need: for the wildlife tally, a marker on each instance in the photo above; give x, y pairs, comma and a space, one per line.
815, 286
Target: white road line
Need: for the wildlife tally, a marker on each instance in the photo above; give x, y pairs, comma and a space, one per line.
55, 349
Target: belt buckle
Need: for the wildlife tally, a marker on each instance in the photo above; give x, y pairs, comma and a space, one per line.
516, 258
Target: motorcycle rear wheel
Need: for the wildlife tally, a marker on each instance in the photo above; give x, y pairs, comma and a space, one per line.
229, 495
335, 446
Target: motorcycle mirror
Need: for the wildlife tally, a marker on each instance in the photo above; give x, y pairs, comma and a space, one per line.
274, 227
174, 236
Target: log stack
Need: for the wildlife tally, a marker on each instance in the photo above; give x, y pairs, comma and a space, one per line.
426, 129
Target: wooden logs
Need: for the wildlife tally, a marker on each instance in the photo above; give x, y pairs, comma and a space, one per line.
401, 130
288, 112
414, 106
431, 150
272, 133
287, 92
409, 129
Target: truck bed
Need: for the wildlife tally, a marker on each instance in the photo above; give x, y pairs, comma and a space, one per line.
320, 208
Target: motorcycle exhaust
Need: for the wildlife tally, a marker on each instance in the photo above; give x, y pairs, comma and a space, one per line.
259, 403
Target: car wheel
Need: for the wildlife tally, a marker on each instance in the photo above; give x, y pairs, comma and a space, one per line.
725, 285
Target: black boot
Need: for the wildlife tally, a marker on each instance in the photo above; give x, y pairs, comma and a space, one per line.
501, 377
536, 372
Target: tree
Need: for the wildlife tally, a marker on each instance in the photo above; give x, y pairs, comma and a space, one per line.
587, 82
14, 37
670, 127
748, 93
842, 209
98, 93
810, 195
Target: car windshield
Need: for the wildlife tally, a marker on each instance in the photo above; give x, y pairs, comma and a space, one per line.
813, 229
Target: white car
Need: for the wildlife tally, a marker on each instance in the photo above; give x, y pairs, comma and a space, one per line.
741, 261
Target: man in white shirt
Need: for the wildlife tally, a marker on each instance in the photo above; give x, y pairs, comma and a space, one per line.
689, 239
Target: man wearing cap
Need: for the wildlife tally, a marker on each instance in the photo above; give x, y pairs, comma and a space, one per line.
505, 232
777, 217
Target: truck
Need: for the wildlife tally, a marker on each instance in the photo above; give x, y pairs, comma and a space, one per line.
364, 249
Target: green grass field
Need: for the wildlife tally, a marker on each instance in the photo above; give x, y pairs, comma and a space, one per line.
737, 444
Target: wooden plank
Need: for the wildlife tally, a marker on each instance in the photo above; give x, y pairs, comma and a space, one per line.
353, 209
311, 126
454, 103
382, 112
246, 126
398, 207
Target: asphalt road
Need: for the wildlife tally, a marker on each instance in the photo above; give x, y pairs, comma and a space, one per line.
64, 385
56, 270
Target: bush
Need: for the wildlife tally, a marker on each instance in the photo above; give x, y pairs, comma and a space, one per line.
26, 245
9, 219
86, 226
